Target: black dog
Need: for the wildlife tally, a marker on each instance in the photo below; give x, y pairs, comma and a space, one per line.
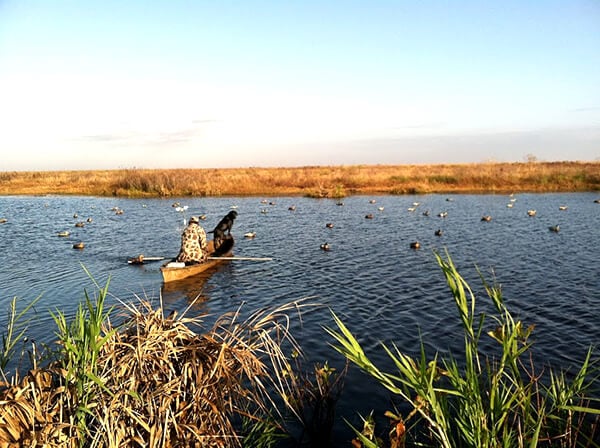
223, 229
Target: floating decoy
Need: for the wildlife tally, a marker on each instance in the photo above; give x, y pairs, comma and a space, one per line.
412, 209
264, 211
416, 204
339, 203
562, 207
381, 209
329, 225
438, 232
555, 228
531, 212
119, 212
175, 204
449, 200
63, 234
486, 218
292, 208
234, 207
415, 245
3, 220
443, 214
79, 245
509, 205
136, 260
596, 201
271, 203
325, 246
372, 201
250, 234
264, 201
426, 213
75, 215
369, 216
79, 224
202, 217
89, 220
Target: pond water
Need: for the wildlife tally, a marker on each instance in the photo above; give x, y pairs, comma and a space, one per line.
371, 278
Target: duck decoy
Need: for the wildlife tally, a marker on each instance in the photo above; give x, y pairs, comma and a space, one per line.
292, 208
443, 214
531, 212
78, 245
63, 234
596, 201
75, 215
89, 220
250, 234
79, 224
562, 207
555, 228
329, 225
202, 217
325, 246
369, 216
438, 232
415, 245
372, 201
3, 220
426, 213
412, 209
339, 203
486, 218
381, 209
509, 205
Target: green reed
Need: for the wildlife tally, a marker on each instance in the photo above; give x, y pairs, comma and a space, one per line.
81, 340
16, 329
483, 401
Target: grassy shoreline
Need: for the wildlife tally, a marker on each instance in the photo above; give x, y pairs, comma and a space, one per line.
311, 181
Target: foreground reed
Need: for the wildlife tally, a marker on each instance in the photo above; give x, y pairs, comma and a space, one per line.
152, 381
480, 401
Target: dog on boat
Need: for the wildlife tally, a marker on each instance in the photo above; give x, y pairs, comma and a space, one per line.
223, 230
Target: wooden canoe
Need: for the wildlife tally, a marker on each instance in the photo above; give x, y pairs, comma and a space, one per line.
171, 274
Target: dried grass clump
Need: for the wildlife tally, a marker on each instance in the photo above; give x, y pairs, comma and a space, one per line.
34, 411
160, 384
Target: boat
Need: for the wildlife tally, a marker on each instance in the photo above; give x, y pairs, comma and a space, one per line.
172, 271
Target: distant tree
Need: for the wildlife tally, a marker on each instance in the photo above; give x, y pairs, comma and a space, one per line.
531, 158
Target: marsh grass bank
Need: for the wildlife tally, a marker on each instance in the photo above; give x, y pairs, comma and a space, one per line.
153, 381
312, 181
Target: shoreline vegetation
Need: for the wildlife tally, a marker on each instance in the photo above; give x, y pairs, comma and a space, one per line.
152, 381
310, 181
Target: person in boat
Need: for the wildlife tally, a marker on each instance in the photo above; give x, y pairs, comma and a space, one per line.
193, 243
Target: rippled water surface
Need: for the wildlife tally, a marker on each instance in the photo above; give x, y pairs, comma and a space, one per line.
380, 287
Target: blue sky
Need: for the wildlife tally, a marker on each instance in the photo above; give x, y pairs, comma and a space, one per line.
121, 84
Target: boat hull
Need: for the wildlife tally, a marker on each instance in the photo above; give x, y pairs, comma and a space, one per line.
171, 274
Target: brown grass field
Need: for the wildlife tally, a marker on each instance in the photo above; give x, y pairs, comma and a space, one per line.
311, 181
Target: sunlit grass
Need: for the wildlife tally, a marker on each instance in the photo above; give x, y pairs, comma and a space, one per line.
155, 382
479, 400
312, 181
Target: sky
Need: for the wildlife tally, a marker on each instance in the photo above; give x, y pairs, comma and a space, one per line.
212, 84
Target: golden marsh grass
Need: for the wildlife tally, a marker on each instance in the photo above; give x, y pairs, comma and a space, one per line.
312, 181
